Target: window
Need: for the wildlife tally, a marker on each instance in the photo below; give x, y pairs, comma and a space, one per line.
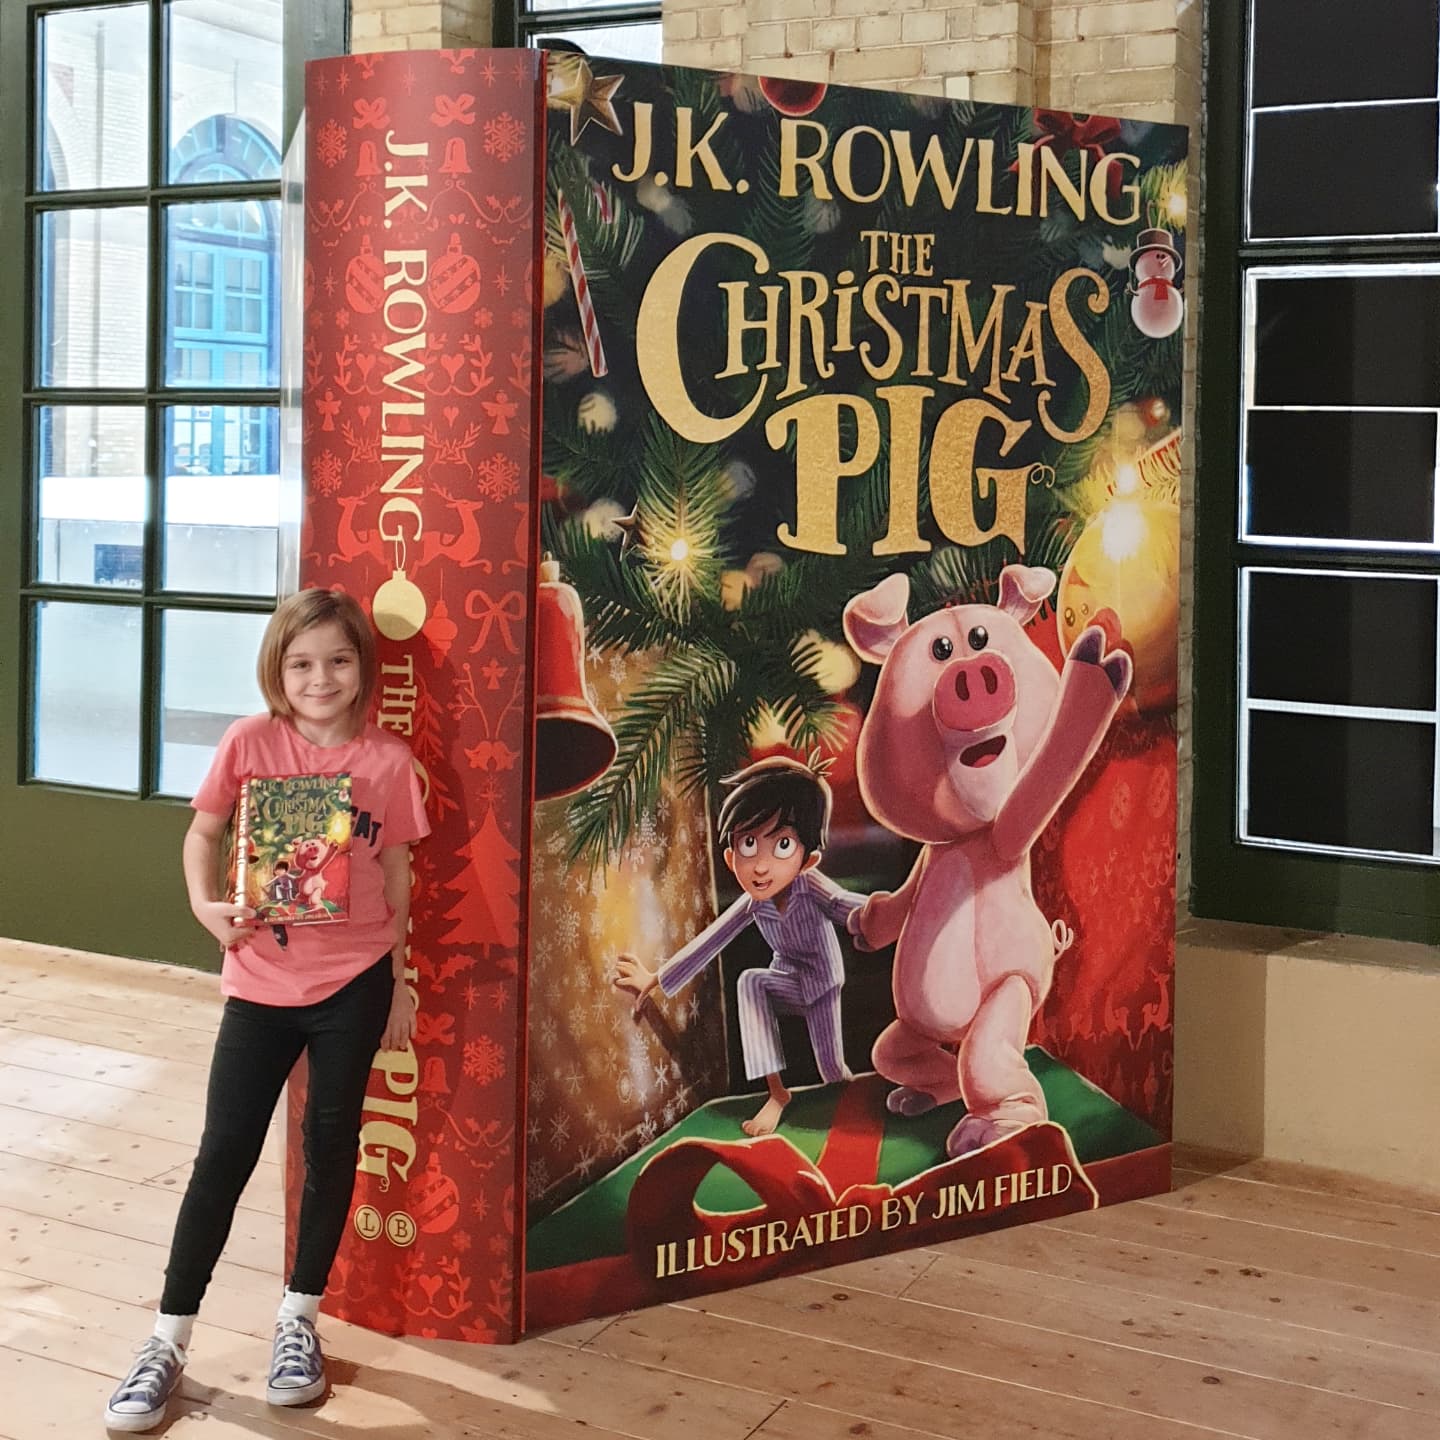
1317, 768
150, 380
626, 30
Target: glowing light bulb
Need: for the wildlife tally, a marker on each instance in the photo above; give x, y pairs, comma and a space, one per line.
680, 551
1127, 479
1176, 206
1122, 530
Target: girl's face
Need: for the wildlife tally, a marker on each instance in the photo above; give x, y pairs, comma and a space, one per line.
321, 675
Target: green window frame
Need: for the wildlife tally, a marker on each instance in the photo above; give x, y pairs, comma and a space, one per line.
95, 867
1233, 879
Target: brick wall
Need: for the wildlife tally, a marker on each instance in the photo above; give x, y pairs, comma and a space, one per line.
419, 24
1138, 58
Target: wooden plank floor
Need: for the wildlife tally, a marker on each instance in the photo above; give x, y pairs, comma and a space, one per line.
1259, 1300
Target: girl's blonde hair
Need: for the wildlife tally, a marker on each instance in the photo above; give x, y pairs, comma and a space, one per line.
301, 612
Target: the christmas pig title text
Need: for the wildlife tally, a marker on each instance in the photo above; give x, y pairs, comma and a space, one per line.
807, 318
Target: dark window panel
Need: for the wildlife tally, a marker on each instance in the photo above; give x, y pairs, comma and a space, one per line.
1348, 340
1330, 780
1356, 171
1315, 50
1342, 640
1341, 475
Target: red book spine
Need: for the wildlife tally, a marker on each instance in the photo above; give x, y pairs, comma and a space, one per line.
423, 228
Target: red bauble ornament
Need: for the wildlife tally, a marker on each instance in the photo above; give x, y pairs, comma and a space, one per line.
434, 1199
365, 280
1155, 412
455, 281
793, 97
440, 632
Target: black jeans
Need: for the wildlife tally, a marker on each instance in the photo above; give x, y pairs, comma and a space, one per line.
255, 1051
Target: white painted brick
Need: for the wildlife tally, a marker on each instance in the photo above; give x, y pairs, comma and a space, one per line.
1143, 50
1134, 17
919, 27
900, 62
877, 30
836, 34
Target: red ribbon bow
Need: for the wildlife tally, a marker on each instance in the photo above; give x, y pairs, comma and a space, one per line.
458, 110
508, 610
1063, 131
372, 114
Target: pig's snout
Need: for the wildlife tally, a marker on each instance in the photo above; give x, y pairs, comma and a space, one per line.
975, 693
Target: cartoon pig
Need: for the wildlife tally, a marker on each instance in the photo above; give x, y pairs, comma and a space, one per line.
970, 745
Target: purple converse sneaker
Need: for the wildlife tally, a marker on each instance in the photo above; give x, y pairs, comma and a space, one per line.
139, 1402
297, 1368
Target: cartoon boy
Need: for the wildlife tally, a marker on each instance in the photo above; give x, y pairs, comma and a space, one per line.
774, 824
285, 887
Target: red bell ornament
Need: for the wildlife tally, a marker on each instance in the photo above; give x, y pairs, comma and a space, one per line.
574, 743
456, 161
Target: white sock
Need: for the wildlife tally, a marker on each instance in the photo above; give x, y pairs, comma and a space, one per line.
174, 1328
299, 1307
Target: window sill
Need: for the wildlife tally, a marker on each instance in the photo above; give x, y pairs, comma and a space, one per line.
1266, 940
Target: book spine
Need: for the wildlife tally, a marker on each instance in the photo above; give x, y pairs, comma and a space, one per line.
241, 857
424, 212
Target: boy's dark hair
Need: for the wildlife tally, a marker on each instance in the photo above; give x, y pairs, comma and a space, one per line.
282, 865
786, 791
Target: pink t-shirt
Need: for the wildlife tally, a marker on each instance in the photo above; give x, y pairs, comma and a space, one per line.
386, 809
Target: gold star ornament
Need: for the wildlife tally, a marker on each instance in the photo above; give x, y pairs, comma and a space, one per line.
571, 85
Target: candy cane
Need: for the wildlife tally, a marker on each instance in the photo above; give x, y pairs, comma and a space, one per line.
588, 322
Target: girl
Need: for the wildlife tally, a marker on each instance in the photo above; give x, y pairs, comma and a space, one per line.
335, 992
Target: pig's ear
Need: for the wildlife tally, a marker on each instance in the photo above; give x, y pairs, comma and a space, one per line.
1023, 589
875, 620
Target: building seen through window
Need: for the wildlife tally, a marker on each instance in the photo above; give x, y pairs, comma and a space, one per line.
152, 417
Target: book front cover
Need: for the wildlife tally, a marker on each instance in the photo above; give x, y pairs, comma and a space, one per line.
294, 831
861, 453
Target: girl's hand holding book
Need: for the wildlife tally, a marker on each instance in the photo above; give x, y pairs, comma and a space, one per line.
228, 922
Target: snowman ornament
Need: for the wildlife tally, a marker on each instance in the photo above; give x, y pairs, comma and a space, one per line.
1157, 307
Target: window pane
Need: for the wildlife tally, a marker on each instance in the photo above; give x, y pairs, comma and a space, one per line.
1341, 475
90, 478
94, 107
92, 290
1311, 50
225, 101
87, 695
1313, 172
1332, 780
1341, 640
1364, 339
207, 680
619, 42
220, 534
213, 341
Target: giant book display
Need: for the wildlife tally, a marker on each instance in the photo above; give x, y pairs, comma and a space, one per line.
679, 426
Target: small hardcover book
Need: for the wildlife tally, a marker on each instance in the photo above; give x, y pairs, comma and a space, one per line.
292, 848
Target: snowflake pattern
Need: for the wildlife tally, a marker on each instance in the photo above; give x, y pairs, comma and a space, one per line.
484, 1060
331, 143
559, 1128
498, 477
504, 137
327, 472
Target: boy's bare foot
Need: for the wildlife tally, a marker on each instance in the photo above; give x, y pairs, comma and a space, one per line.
767, 1117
